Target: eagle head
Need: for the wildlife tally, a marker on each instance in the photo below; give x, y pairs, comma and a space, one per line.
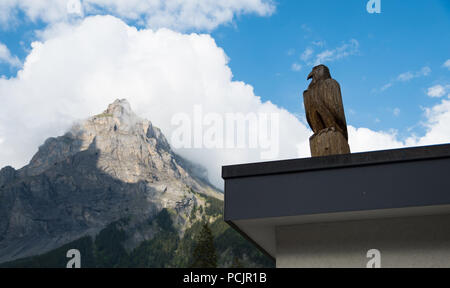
318, 73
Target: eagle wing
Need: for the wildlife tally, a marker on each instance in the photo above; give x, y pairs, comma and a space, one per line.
334, 103
308, 106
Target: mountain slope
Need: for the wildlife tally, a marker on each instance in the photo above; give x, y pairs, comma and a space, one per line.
110, 167
165, 249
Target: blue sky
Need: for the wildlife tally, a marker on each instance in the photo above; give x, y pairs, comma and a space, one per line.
395, 86
406, 37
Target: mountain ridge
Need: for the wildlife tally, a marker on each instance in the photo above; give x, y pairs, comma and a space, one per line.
111, 166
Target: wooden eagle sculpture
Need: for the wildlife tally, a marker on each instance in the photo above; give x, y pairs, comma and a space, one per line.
325, 114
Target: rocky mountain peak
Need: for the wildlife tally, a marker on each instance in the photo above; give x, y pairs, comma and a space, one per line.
129, 148
122, 138
118, 116
122, 117
107, 167
120, 108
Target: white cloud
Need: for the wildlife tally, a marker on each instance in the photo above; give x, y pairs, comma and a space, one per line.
437, 91
437, 125
345, 50
387, 86
318, 43
407, 76
290, 52
174, 14
45, 10
306, 55
296, 67
364, 139
311, 58
396, 112
160, 72
447, 64
404, 77
306, 28
6, 57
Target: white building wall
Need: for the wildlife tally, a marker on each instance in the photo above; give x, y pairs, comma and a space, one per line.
403, 242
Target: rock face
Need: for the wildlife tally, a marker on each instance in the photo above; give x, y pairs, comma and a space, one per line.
111, 166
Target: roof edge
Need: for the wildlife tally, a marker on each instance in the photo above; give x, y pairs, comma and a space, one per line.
336, 161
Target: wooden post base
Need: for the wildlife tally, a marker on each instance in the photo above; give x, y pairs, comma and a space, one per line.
328, 142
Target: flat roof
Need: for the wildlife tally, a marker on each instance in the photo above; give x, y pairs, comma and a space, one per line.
389, 183
336, 161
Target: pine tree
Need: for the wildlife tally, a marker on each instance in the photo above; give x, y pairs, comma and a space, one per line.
236, 263
204, 255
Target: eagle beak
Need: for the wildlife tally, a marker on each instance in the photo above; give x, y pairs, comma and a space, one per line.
310, 76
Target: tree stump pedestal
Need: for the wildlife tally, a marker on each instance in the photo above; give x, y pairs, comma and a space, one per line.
328, 141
